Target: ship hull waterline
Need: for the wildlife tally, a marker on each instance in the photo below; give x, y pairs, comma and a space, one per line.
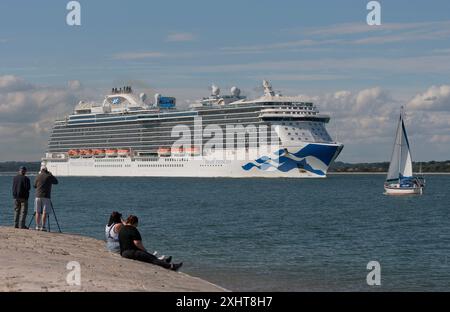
282, 165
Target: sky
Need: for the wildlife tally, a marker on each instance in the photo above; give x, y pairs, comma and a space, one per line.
320, 50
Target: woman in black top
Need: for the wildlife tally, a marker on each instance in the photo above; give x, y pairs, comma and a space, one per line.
131, 246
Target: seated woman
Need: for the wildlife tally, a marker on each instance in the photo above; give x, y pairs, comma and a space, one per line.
131, 246
112, 232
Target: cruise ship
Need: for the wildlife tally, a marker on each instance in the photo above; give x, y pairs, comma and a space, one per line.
272, 136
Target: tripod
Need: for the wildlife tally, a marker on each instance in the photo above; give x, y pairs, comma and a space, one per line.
48, 219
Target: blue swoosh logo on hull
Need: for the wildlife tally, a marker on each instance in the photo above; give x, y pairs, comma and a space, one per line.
285, 163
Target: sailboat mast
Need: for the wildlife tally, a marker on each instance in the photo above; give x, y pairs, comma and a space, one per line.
401, 143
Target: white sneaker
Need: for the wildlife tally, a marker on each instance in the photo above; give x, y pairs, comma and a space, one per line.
37, 228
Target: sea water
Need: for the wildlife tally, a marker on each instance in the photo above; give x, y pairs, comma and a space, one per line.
272, 234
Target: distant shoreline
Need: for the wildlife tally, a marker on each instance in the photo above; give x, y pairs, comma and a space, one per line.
338, 167
385, 173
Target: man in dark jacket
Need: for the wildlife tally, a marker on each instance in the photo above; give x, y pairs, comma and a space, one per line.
43, 204
21, 192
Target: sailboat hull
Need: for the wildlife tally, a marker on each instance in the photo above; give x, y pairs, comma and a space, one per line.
396, 189
400, 179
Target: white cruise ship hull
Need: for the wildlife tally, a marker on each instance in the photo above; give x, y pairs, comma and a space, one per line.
302, 161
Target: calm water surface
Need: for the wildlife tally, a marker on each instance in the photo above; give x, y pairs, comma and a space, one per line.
273, 235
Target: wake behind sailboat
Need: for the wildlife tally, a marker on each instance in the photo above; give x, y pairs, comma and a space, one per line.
400, 179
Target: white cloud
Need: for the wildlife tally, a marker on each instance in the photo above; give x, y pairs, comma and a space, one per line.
365, 122
440, 138
429, 113
363, 116
180, 37
74, 84
33, 105
27, 113
435, 98
9, 83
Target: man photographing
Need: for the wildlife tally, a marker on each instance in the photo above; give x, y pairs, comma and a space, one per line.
43, 204
21, 192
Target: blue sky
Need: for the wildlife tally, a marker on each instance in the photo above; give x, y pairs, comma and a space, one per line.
318, 49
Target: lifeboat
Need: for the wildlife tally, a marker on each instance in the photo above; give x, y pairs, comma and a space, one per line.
98, 153
177, 151
85, 153
192, 151
164, 151
123, 152
111, 153
73, 153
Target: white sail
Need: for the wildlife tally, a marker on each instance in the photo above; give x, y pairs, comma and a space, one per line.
401, 163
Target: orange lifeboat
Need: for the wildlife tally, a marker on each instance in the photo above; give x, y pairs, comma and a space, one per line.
73, 153
111, 153
123, 152
192, 151
164, 151
85, 153
177, 151
98, 153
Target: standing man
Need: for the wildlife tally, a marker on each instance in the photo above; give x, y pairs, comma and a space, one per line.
42, 203
21, 192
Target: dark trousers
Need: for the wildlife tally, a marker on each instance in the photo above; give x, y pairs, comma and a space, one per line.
144, 256
20, 212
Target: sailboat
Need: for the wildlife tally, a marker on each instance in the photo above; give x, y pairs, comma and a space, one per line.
400, 179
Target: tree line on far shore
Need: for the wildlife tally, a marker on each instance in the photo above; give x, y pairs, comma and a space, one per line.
339, 166
428, 166
13, 166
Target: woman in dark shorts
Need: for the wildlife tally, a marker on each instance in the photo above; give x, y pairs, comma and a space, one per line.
131, 246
